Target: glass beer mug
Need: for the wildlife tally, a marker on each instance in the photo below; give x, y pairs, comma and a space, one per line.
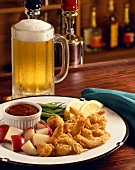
33, 58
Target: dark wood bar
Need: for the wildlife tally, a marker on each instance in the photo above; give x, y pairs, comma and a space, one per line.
117, 74
109, 55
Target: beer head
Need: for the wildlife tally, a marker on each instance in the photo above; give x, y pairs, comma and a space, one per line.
33, 30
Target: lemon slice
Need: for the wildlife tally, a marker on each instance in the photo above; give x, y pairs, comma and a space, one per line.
75, 103
90, 107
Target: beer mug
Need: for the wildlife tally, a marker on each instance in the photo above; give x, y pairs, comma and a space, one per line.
33, 58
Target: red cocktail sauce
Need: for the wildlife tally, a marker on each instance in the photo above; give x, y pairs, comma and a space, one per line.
22, 110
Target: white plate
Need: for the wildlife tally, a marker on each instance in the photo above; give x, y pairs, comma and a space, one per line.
116, 126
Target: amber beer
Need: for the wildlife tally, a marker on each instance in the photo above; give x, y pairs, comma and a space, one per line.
32, 58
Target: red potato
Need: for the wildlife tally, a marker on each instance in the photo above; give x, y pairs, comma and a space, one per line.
38, 138
17, 142
3, 131
44, 131
28, 133
12, 131
41, 124
29, 149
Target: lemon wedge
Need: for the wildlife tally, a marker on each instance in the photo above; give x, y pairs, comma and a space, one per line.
75, 103
90, 107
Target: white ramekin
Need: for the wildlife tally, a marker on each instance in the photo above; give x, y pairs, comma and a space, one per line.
22, 122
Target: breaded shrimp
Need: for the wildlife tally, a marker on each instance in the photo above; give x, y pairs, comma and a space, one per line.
76, 112
57, 132
97, 140
55, 121
62, 150
78, 126
87, 133
98, 119
65, 139
44, 149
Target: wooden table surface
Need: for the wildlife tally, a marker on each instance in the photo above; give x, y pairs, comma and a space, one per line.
119, 75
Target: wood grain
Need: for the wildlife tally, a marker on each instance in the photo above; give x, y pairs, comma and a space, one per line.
109, 55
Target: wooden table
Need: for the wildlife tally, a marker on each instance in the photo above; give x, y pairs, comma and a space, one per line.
118, 75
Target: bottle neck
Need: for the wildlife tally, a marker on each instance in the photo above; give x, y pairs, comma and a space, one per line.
126, 15
32, 14
70, 20
111, 6
93, 18
32, 8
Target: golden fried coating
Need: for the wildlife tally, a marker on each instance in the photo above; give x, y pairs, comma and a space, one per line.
89, 144
76, 112
57, 132
44, 149
83, 141
101, 112
66, 139
74, 126
98, 120
80, 122
96, 138
55, 121
87, 133
74, 135
62, 150
68, 127
98, 132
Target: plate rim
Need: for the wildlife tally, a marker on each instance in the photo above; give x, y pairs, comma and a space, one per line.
118, 145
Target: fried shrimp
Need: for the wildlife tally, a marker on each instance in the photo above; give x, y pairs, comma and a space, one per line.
57, 132
68, 126
76, 112
55, 121
62, 150
86, 143
104, 135
91, 139
89, 144
75, 134
65, 139
64, 144
97, 120
78, 126
44, 149
74, 127
87, 133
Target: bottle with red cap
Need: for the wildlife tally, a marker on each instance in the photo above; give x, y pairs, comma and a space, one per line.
70, 12
69, 5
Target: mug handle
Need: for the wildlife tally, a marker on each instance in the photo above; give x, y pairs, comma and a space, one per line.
65, 58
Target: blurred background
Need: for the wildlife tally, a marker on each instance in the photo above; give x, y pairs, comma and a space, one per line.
12, 11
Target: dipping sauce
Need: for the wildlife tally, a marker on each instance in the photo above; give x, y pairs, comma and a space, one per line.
22, 110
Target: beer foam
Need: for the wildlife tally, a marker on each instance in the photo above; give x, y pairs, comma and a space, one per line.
33, 30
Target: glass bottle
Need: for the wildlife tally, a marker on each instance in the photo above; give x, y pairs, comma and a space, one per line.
93, 35
127, 34
70, 12
111, 27
32, 8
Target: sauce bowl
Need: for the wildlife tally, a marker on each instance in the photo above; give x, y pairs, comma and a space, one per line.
19, 114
